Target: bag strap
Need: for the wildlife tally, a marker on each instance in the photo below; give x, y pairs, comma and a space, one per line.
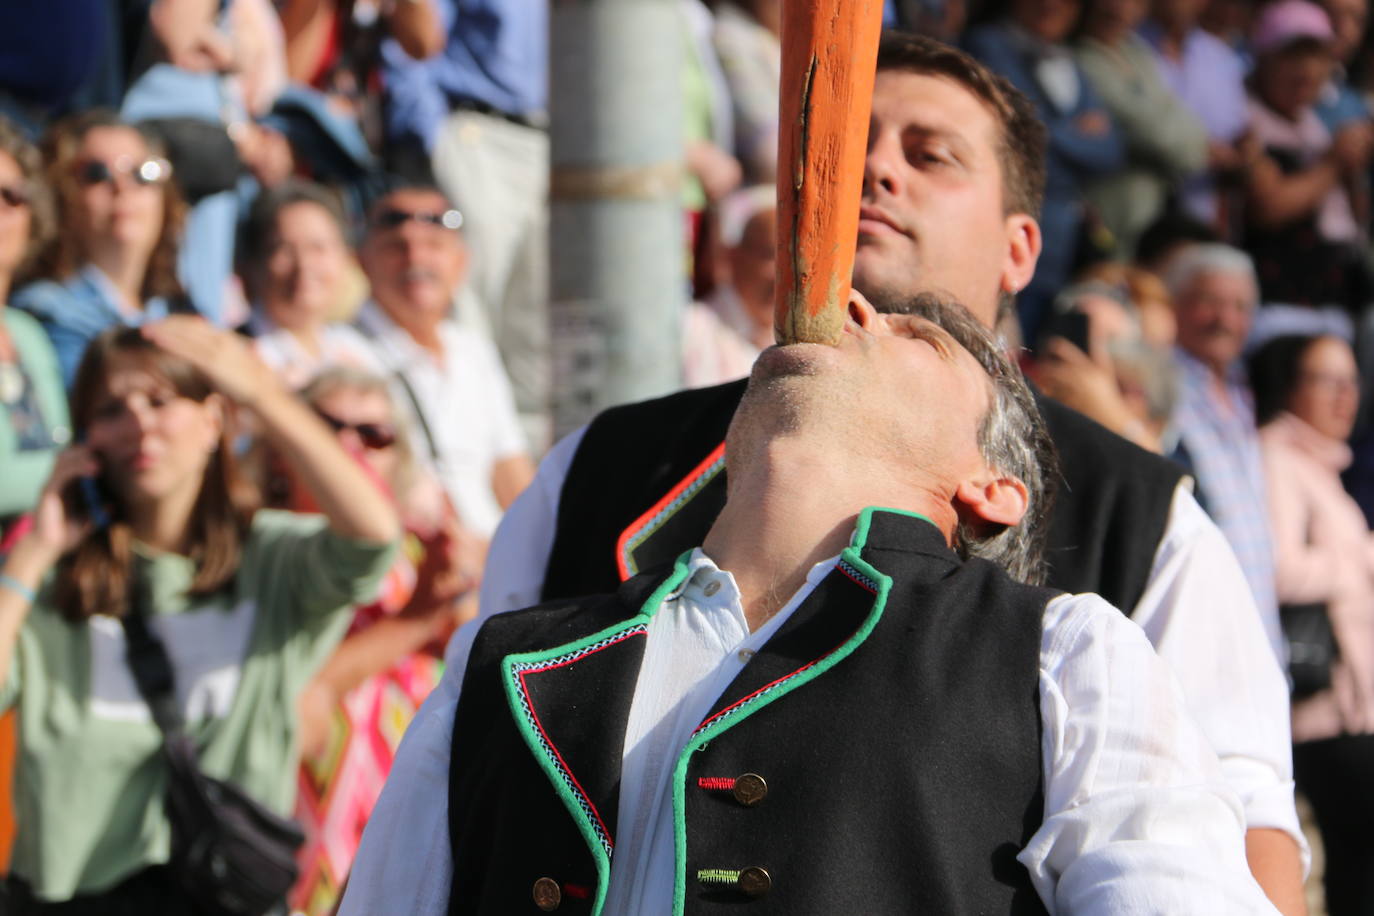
150, 664
420, 419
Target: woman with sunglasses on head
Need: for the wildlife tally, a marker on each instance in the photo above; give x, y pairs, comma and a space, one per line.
119, 221
247, 604
356, 707
33, 400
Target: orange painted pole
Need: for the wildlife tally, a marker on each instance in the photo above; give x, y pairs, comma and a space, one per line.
829, 56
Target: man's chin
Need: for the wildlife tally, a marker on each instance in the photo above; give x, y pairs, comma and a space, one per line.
783, 360
881, 282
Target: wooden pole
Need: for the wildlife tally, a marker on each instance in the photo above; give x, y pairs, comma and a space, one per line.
829, 58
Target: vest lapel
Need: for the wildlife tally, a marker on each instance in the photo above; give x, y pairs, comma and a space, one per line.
571, 704
680, 517
830, 624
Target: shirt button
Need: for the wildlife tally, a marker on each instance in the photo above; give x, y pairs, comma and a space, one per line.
711, 588
547, 894
755, 881
750, 789
746, 654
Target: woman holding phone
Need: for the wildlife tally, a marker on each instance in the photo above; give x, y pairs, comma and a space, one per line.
247, 604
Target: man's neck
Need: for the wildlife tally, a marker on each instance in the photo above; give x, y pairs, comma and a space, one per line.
424, 332
788, 510
125, 271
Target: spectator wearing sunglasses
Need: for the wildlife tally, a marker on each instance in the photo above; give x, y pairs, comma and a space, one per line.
33, 402
296, 267
449, 378
375, 681
119, 219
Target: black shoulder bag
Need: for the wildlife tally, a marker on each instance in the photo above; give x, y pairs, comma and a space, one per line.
232, 855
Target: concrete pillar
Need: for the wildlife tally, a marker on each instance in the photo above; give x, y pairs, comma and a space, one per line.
617, 250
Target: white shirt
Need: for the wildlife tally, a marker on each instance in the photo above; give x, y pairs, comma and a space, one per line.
467, 406
1138, 818
281, 350
1196, 609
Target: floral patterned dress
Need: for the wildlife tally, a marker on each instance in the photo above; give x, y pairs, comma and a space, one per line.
339, 786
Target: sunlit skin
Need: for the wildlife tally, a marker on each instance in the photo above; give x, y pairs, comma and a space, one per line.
152, 444
120, 218
1326, 394
1214, 315
414, 268
932, 217
895, 385
889, 417
15, 225
305, 264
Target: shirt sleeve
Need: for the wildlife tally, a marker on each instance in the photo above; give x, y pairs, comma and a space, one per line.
519, 553
1198, 613
405, 858
1138, 818
310, 567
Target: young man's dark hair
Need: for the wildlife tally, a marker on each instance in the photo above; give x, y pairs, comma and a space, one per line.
1021, 146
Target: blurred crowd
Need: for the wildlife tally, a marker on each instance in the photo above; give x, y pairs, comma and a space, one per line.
353, 194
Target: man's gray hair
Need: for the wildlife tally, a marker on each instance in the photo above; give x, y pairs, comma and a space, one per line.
1207, 258
1011, 438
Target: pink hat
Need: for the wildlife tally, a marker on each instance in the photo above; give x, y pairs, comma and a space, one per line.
1286, 21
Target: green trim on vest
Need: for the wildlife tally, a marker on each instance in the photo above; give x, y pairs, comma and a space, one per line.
850, 556
861, 527
513, 666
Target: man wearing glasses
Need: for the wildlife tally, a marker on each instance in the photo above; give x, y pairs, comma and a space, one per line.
449, 378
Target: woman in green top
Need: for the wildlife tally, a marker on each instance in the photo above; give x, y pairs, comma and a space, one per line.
33, 401
247, 604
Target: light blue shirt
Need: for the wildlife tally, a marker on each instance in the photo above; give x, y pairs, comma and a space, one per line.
497, 55
1223, 443
75, 311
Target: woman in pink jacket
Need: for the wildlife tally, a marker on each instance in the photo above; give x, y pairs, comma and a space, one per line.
1306, 397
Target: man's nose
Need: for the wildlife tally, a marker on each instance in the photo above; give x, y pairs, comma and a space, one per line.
882, 165
862, 312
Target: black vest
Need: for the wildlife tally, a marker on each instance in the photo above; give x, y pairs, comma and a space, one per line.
892, 722
648, 480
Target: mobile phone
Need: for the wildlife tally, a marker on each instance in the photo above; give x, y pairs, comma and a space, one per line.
1071, 325
94, 501
87, 497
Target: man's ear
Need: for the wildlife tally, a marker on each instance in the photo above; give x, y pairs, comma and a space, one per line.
1023, 250
996, 499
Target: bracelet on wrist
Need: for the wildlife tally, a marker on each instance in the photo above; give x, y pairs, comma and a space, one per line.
11, 584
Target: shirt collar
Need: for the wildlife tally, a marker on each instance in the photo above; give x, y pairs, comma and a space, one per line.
396, 342
95, 279
702, 571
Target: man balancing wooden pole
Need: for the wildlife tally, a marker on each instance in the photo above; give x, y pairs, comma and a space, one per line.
824, 706
829, 52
